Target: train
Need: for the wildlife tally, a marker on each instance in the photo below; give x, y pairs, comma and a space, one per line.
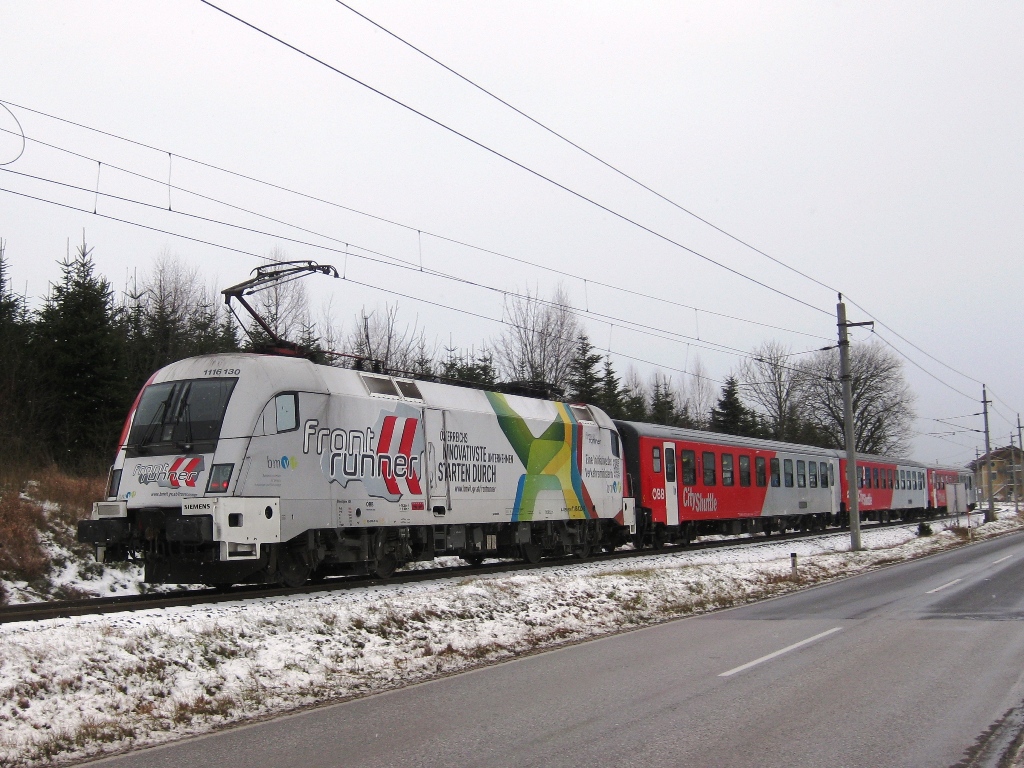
259, 468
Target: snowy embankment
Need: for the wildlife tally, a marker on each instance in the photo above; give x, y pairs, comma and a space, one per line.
76, 687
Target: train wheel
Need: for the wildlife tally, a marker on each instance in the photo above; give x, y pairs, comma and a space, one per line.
473, 560
385, 567
294, 566
531, 552
582, 551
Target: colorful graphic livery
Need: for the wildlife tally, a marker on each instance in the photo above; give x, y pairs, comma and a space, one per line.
256, 468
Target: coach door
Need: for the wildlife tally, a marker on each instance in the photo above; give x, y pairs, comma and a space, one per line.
439, 489
671, 489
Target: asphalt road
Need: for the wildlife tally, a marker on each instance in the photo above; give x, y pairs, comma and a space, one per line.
907, 666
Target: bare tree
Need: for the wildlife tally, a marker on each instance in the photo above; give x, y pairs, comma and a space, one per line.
377, 337
883, 405
540, 340
703, 394
774, 385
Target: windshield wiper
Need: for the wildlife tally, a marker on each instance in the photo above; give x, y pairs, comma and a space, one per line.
156, 420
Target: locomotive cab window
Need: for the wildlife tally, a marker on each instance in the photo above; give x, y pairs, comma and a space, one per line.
760, 475
287, 407
776, 480
801, 473
824, 474
710, 473
688, 464
615, 443
744, 471
727, 469
812, 474
173, 413
656, 460
787, 471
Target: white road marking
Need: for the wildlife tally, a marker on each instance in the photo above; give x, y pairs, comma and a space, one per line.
779, 652
947, 584
1001, 559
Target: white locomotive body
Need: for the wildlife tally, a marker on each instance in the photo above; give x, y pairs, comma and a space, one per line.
243, 467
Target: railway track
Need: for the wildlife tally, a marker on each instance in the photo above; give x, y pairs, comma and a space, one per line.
93, 606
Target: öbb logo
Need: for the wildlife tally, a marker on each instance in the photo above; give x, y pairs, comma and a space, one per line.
285, 462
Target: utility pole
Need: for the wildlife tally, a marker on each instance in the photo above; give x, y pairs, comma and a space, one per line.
1013, 477
1019, 464
990, 514
853, 502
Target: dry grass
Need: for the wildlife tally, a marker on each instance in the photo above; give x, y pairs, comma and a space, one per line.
23, 522
21, 555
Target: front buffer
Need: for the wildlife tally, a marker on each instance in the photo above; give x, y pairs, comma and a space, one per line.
214, 541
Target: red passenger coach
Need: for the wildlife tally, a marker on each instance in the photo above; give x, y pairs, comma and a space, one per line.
687, 483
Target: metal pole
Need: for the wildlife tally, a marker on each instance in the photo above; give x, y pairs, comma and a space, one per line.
853, 502
1020, 450
1013, 475
990, 515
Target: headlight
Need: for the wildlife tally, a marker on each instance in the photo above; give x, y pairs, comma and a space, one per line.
114, 483
220, 476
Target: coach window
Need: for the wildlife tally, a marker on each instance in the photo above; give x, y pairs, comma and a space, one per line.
860, 477
903, 480
824, 474
831, 476
760, 474
728, 478
787, 471
656, 460
688, 463
287, 407
874, 477
801, 473
744, 471
889, 473
812, 474
708, 459
776, 482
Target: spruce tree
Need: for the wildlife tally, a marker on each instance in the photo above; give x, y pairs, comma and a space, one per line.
730, 416
584, 380
79, 349
610, 397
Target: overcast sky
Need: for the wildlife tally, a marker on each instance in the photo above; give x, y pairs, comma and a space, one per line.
875, 147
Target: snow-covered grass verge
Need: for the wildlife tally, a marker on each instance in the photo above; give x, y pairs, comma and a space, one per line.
76, 687
40, 558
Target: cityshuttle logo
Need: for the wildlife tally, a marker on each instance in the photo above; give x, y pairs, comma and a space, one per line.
387, 458
699, 502
183, 471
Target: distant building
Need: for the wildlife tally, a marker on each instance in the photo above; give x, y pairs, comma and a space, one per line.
1002, 481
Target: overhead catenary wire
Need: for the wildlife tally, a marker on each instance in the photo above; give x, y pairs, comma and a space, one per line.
356, 211
507, 158
653, 191
624, 323
724, 350
516, 259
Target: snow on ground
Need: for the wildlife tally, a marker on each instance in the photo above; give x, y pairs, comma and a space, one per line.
81, 686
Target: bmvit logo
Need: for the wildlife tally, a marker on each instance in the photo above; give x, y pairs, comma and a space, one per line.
285, 462
182, 471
